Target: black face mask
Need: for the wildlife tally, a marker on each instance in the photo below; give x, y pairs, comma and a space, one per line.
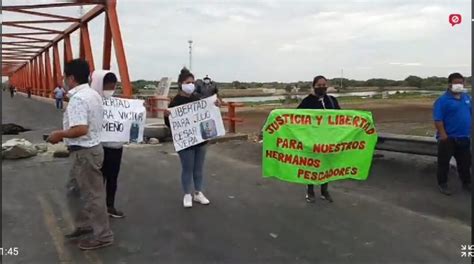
320, 91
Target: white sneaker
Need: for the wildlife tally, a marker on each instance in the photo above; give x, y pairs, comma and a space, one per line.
188, 201
200, 198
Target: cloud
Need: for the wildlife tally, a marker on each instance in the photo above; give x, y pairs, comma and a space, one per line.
406, 63
285, 40
287, 47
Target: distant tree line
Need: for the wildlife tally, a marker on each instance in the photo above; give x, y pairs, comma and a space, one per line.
411, 81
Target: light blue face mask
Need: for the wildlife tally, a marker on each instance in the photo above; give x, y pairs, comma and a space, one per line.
188, 88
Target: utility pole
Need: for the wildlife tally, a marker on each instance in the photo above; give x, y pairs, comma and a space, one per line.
190, 54
342, 74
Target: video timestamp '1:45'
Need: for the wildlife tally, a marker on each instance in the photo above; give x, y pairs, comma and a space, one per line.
10, 251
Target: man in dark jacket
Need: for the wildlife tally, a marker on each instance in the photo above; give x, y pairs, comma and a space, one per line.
206, 88
319, 100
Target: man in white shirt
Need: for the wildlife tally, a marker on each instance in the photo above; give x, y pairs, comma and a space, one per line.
59, 93
82, 124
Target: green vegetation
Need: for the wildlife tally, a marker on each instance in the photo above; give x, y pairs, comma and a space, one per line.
429, 83
143, 84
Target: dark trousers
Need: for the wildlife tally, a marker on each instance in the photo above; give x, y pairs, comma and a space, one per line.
59, 103
310, 189
110, 172
461, 150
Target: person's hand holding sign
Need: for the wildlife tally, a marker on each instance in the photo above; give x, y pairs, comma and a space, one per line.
167, 113
219, 102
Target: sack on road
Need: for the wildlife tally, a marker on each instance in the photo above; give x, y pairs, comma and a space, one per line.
18, 149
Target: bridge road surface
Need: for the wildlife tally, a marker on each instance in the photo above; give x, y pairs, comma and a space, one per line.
396, 216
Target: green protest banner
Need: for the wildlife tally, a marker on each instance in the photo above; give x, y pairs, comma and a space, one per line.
318, 146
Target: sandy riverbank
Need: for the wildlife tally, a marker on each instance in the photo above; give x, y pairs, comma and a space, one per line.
411, 116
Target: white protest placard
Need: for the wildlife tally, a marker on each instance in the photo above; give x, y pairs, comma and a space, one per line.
124, 120
195, 122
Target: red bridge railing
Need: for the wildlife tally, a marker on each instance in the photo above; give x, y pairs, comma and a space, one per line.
231, 117
152, 105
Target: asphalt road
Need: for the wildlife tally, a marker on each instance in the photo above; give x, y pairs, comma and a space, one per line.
396, 216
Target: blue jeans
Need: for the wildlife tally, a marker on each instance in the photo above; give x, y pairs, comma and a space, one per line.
192, 165
59, 103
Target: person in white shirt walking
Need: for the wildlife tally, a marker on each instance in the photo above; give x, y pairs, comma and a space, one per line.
82, 125
59, 93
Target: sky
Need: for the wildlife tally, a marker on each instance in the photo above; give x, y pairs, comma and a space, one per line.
283, 40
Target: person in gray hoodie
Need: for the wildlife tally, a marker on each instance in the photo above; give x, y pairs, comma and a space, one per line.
104, 82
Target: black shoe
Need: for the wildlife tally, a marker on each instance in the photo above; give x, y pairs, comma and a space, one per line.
79, 232
115, 213
466, 187
94, 244
444, 189
327, 197
310, 198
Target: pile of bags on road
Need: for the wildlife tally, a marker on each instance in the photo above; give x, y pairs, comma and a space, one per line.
19, 148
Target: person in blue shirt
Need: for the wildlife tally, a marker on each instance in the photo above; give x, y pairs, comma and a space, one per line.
452, 118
